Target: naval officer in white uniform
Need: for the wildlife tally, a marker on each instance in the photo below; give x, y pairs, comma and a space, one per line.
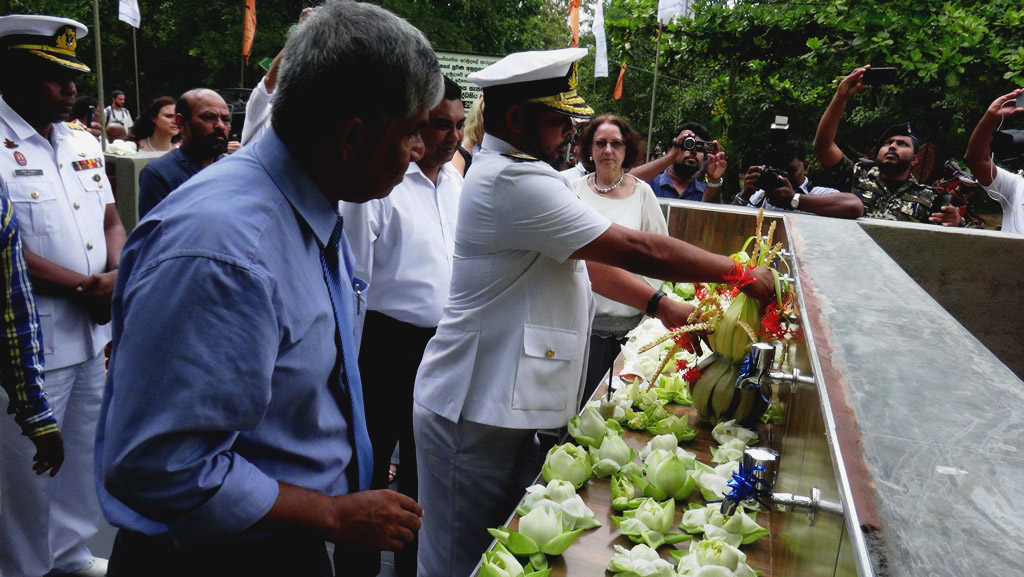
54, 174
509, 354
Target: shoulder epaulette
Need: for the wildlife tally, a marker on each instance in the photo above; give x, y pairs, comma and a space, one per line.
74, 126
519, 156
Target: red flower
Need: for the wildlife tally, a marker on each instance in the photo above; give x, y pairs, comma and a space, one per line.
685, 341
691, 375
772, 326
701, 292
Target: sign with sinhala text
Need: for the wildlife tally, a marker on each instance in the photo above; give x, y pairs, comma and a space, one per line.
459, 65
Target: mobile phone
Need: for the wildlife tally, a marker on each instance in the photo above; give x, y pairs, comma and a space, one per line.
91, 117
939, 202
879, 76
1020, 100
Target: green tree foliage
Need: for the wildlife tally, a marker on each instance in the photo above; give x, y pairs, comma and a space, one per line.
188, 43
735, 65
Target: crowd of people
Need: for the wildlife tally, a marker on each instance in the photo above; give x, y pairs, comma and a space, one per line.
399, 272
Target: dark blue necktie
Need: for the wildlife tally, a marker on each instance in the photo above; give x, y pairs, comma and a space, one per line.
347, 369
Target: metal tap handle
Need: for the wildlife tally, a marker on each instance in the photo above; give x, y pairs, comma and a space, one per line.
762, 357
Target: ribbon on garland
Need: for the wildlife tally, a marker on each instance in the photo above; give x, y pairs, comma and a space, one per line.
745, 372
747, 486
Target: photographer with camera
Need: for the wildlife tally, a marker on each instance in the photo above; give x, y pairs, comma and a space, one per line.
1002, 185
782, 184
691, 169
885, 185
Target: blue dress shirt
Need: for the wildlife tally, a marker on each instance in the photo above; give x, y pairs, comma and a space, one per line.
224, 344
162, 176
663, 188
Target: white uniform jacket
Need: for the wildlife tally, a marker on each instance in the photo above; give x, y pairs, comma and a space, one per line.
512, 344
60, 193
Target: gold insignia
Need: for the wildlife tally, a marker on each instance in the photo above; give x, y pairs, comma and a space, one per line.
74, 126
573, 81
520, 156
66, 39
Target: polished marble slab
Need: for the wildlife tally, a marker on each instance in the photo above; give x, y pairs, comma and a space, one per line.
941, 418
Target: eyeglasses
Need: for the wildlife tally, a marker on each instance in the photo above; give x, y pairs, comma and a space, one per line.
615, 144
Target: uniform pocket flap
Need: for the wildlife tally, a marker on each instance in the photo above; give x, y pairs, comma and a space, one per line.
91, 180
35, 191
550, 343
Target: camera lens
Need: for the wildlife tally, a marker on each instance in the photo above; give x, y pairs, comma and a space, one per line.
689, 143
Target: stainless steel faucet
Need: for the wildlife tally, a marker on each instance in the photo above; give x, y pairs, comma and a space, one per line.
763, 374
759, 470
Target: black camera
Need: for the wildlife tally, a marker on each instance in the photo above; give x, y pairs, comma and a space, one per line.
696, 145
771, 178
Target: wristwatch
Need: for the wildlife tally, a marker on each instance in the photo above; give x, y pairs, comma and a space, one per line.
652, 305
795, 201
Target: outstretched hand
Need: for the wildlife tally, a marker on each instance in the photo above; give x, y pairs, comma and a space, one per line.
763, 288
672, 313
851, 84
716, 164
950, 216
1005, 106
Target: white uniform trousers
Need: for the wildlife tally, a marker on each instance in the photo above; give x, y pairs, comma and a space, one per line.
471, 478
45, 521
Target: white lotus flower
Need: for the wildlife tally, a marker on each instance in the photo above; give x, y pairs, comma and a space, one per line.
728, 430
640, 561
560, 495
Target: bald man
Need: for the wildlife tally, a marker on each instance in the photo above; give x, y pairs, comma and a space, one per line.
204, 120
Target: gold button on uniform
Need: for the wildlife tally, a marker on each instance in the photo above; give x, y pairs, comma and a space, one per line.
88, 245
35, 194
77, 205
550, 354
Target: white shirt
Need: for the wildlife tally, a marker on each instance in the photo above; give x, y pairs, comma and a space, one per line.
122, 117
511, 346
1008, 188
575, 171
758, 198
60, 193
257, 113
409, 245
639, 211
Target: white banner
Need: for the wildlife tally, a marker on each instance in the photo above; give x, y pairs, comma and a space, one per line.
668, 10
601, 56
128, 11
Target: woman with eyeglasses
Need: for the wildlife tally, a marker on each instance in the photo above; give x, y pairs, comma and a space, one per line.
155, 129
610, 147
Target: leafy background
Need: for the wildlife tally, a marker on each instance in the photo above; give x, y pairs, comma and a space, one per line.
733, 66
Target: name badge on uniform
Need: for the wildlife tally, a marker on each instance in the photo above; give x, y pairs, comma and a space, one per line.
28, 172
87, 164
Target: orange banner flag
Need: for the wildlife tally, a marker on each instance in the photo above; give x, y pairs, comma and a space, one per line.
248, 28
574, 21
617, 93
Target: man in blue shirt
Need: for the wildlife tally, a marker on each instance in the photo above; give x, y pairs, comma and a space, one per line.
686, 173
204, 120
232, 439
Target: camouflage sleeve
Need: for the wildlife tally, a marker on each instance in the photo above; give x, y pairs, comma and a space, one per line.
841, 176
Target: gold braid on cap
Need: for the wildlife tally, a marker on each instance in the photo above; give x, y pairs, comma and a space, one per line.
64, 44
568, 101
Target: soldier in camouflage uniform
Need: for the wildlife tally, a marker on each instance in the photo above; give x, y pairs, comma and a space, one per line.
885, 186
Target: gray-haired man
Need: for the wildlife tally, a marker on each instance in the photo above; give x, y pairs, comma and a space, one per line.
235, 313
